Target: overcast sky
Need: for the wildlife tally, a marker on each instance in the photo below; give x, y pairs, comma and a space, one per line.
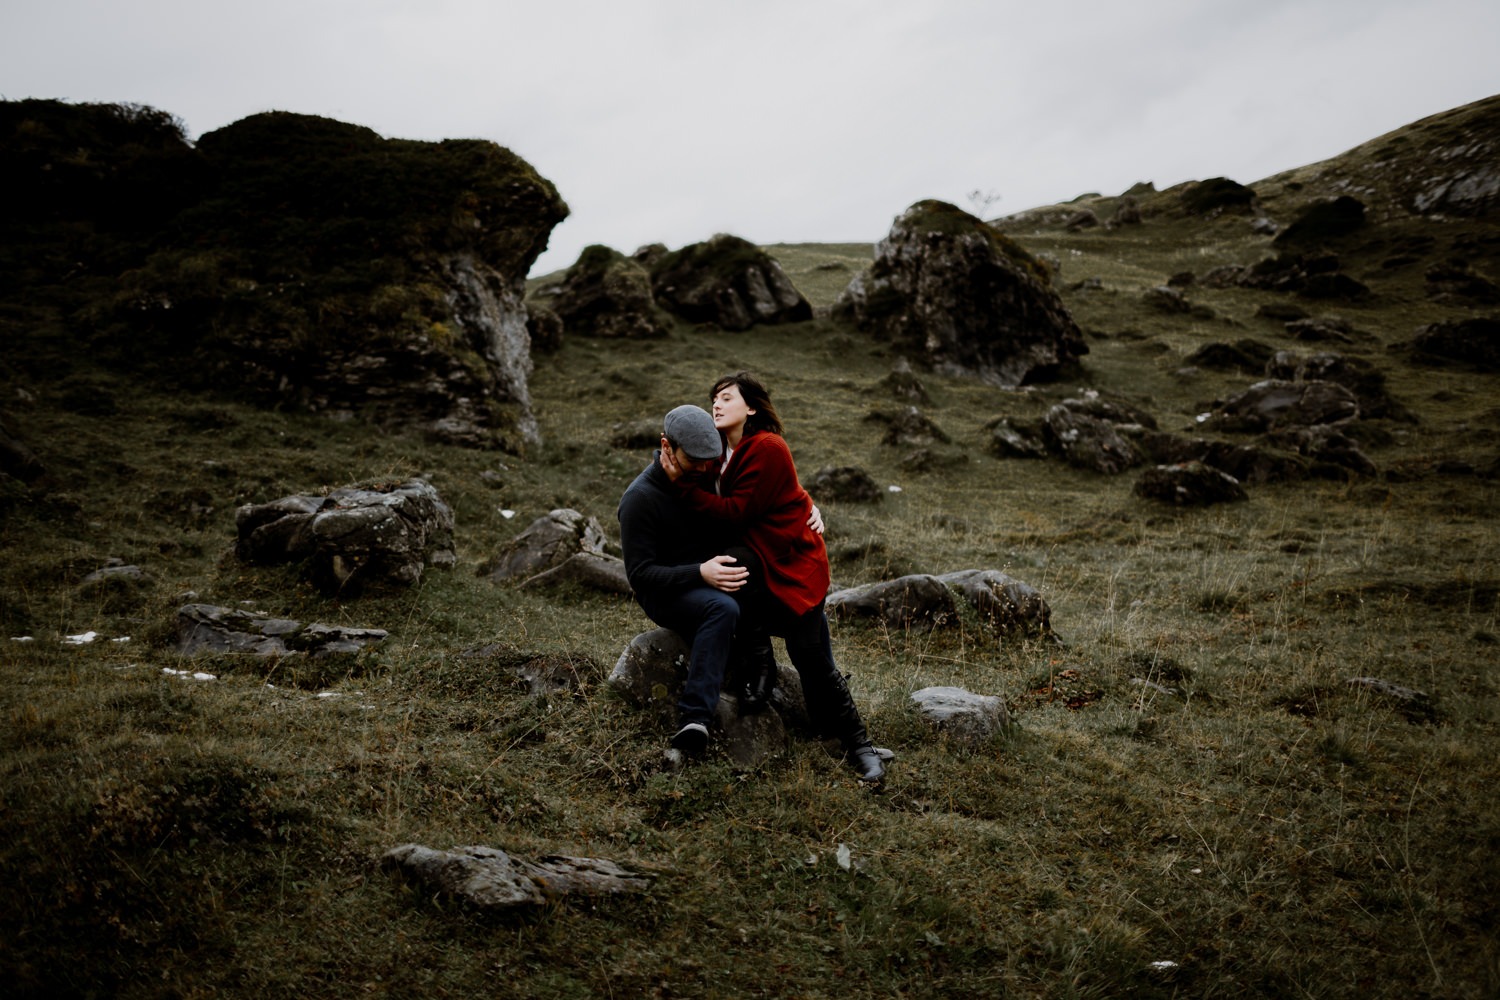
789, 120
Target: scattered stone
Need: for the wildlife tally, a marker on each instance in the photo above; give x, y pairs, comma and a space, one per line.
1321, 328
1164, 298
1247, 463
903, 383
918, 601
1474, 342
909, 428
490, 878
596, 570
1245, 355
373, 532
969, 717
956, 294
1192, 484
845, 484
1274, 404
1087, 441
1009, 441
546, 543
1416, 706
1084, 218
207, 629
115, 577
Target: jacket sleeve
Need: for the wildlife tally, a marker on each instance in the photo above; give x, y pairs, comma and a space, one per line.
765, 481
642, 528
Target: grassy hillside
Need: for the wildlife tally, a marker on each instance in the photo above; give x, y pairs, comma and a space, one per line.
1267, 831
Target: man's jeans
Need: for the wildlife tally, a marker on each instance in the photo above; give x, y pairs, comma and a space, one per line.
705, 618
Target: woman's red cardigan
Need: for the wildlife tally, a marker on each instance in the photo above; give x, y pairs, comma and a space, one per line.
761, 498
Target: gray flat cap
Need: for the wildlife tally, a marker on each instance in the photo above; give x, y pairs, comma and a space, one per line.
692, 429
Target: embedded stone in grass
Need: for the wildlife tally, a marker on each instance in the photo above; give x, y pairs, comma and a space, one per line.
1191, 484
1007, 605
489, 877
961, 713
206, 629
916, 601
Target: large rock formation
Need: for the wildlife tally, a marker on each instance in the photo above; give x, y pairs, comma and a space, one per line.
727, 281
606, 294
299, 260
957, 295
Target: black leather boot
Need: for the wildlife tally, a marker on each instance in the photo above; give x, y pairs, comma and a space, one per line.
867, 762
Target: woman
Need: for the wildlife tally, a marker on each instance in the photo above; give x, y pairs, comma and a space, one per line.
762, 503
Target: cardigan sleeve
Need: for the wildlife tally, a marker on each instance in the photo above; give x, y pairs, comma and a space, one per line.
764, 479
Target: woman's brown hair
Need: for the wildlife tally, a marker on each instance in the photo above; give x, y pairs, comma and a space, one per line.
757, 397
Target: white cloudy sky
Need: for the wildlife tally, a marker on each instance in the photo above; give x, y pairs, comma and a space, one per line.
789, 120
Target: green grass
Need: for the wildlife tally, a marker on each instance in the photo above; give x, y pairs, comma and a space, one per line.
1269, 829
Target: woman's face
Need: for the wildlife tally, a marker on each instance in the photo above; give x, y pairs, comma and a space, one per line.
730, 410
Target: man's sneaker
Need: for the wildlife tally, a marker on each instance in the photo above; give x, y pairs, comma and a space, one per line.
691, 739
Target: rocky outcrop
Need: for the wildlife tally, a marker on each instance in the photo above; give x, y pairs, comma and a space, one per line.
353, 536
326, 267
955, 294
729, 282
606, 294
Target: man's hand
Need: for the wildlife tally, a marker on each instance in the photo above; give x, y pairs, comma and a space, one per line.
668, 462
815, 520
723, 573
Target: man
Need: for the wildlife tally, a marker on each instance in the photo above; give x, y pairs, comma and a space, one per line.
678, 581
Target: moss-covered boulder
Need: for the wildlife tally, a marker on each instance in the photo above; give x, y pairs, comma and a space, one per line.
955, 294
606, 294
294, 259
727, 281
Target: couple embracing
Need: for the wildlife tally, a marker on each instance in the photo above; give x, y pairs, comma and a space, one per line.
724, 547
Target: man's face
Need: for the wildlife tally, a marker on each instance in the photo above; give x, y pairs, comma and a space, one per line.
694, 466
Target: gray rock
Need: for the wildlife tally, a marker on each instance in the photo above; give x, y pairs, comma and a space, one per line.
969, 717
651, 669
727, 281
547, 542
1089, 442
490, 878
1274, 404
206, 629
957, 295
845, 484
1007, 605
918, 601
1008, 441
374, 532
